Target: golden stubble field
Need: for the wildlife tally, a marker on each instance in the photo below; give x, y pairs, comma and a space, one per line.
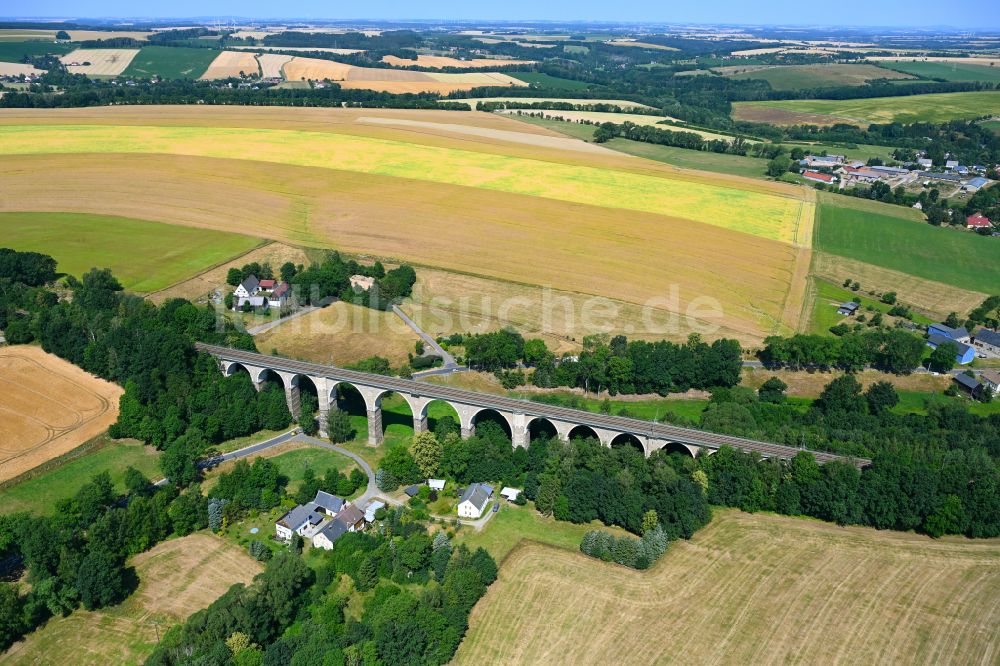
176, 578
484, 221
48, 407
749, 589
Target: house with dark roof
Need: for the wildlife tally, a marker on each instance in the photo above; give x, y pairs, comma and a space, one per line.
987, 342
970, 384
412, 491
474, 500
249, 287
328, 536
331, 504
966, 354
848, 309
353, 517
304, 520
959, 334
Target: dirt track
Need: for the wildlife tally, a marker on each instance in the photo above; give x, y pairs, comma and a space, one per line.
48, 407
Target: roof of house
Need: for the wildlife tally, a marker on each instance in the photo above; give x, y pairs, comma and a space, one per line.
935, 339
331, 503
971, 383
267, 284
334, 530
951, 164
992, 376
954, 177
977, 220
300, 515
250, 283
351, 515
850, 305
255, 301
436, 484
816, 175
412, 490
281, 290
507, 491
954, 333
988, 336
478, 494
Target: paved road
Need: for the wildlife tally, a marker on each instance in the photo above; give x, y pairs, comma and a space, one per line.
263, 328
449, 360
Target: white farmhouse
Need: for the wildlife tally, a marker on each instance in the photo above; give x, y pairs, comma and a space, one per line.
474, 500
249, 287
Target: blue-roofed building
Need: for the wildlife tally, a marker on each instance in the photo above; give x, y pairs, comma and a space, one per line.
957, 334
965, 354
975, 184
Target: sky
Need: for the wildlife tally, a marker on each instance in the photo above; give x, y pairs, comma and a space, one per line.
967, 14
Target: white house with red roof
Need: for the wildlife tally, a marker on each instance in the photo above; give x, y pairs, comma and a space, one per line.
978, 221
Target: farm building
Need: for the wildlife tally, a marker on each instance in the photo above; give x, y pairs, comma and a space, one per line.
848, 309
818, 177
327, 536
975, 184
957, 334
253, 301
266, 285
510, 494
965, 354
280, 295
436, 484
362, 282
977, 221
304, 520
370, 510
353, 517
474, 500
331, 504
991, 380
925, 162
970, 384
411, 491
951, 164
933, 175
987, 342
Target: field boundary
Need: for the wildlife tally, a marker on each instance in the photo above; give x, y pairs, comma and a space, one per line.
264, 243
92, 445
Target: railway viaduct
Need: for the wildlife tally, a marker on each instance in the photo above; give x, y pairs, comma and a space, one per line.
469, 405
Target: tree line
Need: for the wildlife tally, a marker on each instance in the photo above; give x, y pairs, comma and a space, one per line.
893, 350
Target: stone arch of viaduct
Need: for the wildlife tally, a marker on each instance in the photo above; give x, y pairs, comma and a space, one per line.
468, 405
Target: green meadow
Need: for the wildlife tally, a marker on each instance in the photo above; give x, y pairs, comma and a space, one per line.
949, 71
933, 108
145, 256
170, 62
885, 238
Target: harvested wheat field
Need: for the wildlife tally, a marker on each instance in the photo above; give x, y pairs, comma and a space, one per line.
98, 62
49, 407
176, 578
440, 62
341, 334
18, 68
391, 80
231, 64
272, 65
748, 589
370, 182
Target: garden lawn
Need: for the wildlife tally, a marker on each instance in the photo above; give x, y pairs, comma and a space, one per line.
948, 255
157, 255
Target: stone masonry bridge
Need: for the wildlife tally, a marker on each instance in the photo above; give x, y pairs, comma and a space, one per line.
469, 405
